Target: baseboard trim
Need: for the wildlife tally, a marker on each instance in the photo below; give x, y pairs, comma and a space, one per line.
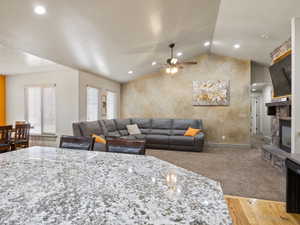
225, 145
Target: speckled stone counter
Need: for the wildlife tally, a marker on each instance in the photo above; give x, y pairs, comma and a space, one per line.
295, 157
42, 186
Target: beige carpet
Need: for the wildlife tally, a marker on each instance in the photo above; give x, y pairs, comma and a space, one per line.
241, 172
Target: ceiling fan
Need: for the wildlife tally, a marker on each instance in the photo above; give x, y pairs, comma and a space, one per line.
173, 63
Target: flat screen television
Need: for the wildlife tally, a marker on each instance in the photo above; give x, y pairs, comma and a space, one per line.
281, 77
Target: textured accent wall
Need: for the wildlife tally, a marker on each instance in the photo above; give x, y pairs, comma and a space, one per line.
170, 96
2, 100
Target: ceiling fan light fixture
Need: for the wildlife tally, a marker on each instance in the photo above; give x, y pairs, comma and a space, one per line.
174, 70
168, 70
174, 61
179, 54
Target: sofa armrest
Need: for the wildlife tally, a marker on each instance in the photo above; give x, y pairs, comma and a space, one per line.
76, 130
199, 141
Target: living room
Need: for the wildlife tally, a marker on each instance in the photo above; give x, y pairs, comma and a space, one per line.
188, 112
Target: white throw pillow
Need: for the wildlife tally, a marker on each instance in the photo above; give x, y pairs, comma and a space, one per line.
133, 129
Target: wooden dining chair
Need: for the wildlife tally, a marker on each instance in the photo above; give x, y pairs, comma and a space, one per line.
5, 138
20, 122
21, 137
78, 143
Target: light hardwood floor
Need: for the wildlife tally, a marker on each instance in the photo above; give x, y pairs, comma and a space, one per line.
246, 211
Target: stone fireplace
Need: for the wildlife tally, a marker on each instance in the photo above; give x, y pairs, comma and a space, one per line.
285, 135
280, 147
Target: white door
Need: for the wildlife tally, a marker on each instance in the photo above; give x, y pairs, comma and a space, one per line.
253, 116
256, 115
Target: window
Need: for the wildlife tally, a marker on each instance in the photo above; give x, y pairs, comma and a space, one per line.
40, 109
92, 103
101, 104
111, 105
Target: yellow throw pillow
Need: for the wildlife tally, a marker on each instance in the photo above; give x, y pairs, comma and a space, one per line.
192, 132
99, 139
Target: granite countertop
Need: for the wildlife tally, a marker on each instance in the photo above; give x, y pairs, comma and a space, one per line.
43, 186
295, 157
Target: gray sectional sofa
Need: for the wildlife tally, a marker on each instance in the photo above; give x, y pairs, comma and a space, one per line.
158, 133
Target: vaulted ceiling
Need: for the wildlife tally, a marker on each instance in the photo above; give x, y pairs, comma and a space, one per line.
13, 62
112, 37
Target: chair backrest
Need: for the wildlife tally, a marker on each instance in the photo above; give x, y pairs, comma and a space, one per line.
20, 122
79, 143
5, 134
22, 132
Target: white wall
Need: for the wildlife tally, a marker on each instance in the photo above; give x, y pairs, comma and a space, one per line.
266, 120
67, 95
295, 85
88, 79
260, 73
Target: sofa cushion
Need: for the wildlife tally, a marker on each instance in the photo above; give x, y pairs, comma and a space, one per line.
157, 139
113, 134
140, 136
110, 125
91, 127
123, 132
122, 123
145, 131
160, 131
77, 130
184, 124
181, 140
162, 123
110, 128
142, 123
121, 126
178, 132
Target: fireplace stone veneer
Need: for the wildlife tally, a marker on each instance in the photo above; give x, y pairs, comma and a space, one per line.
279, 150
285, 135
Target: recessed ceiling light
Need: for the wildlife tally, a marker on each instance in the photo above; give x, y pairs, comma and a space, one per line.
236, 46
207, 44
40, 10
153, 63
179, 54
130, 72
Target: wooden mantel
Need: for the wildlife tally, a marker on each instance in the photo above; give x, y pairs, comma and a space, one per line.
281, 103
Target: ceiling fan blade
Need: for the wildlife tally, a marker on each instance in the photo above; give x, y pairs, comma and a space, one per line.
188, 63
